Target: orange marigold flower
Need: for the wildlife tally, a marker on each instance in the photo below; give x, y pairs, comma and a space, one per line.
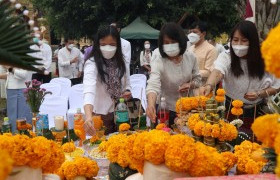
237, 111
198, 128
124, 127
220, 98
237, 103
68, 147
161, 126
221, 92
193, 119
93, 139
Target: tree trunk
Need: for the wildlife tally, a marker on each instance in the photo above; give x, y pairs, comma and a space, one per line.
267, 17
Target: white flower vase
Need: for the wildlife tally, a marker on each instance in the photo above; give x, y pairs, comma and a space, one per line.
160, 172
80, 178
25, 173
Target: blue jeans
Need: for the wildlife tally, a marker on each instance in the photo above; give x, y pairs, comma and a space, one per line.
17, 107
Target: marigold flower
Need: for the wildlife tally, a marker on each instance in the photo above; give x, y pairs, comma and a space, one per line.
93, 139
161, 126
193, 119
198, 128
68, 147
221, 92
237, 103
237, 111
266, 128
6, 164
220, 99
271, 52
124, 127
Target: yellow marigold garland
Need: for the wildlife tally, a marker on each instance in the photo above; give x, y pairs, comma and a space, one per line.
229, 159
220, 99
124, 127
68, 147
189, 103
245, 163
180, 153
80, 166
198, 128
266, 128
35, 152
193, 120
271, 51
6, 164
277, 144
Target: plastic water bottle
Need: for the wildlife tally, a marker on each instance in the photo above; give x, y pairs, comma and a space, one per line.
163, 112
6, 127
79, 126
121, 113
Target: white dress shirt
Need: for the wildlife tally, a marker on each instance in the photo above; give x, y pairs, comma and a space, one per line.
66, 69
44, 53
126, 50
237, 87
95, 92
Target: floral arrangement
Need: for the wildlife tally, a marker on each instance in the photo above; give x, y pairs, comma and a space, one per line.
80, 166
124, 127
220, 97
6, 164
271, 52
68, 147
267, 130
35, 152
34, 94
249, 157
179, 153
94, 139
189, 103
237, 108
223, 131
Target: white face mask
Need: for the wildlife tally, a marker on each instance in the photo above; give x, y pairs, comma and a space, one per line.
40, 42
171, 50
240, 50
70, 46
194, 38
147, 46
108, 51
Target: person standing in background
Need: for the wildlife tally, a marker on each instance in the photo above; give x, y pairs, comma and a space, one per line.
44, 53
70, 62
204, 52
16, 102
145, 58
220, 48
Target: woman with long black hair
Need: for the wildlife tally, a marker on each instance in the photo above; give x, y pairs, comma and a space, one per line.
105, 79
243, 73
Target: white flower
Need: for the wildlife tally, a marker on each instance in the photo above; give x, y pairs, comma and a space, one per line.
221, 108
237, 122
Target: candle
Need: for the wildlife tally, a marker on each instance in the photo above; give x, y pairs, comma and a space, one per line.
59, 123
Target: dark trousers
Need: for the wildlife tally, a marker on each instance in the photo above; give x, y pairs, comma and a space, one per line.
43, 78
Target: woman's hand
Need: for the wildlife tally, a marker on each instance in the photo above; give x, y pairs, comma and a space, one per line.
205, 90
184, 87
251, 96
151, 113
89, 127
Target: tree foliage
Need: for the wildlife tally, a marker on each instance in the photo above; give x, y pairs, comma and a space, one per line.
78, 18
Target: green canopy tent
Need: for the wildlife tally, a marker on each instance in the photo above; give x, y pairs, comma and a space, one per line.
139, 29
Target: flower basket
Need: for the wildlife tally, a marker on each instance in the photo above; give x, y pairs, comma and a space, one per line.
25, 172
160, 172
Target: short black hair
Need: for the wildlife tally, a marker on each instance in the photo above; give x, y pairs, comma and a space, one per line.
255, 63
202, 26
174, 32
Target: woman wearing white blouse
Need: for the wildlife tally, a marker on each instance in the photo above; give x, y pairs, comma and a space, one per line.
243, 72
174, 72
16, 102
145, 58
105, 79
